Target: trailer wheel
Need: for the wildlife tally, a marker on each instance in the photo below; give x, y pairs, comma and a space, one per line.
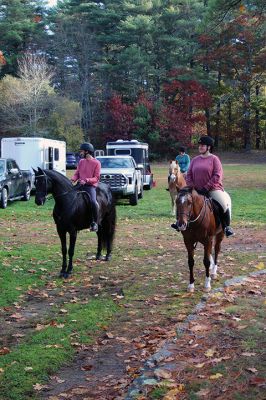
4, 197
26, 194
149, 186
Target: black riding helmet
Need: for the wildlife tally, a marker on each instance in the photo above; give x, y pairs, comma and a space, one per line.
181, 149
207, 140
87, 147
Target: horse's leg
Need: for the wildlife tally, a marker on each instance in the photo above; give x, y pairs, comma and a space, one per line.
108, 249
217, 248
172, 202
190, 252
207, 263
99, 245
71, 249
174, 208
62, 235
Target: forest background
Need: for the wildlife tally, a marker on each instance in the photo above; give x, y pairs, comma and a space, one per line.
160, 71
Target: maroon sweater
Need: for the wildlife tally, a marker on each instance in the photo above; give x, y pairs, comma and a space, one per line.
89, 171
205, 173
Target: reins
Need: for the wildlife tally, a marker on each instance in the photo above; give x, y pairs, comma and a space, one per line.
204, 204
53, 196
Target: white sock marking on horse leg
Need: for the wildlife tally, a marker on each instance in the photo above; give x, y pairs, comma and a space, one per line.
213, 272
207, 286
213, 268
191, 288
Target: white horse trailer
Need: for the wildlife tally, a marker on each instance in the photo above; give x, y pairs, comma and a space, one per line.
34, 152
139, 151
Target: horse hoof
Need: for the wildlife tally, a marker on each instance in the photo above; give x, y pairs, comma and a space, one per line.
108, 257
214, 276
207, 289
98, 257
191, 288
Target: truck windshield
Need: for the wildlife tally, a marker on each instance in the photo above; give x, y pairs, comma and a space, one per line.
2, 167
115, 162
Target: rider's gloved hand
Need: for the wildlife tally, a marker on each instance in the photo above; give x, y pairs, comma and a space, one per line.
204, 192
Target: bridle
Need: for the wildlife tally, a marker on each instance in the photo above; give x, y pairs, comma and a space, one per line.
188, 215
45, 192
39, 192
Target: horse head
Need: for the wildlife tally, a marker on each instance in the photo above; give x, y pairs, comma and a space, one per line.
41, 186
176, 177
184, 208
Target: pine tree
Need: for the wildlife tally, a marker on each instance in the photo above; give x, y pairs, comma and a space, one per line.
21, 27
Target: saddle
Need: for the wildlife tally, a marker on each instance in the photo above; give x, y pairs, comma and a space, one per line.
214, 206
217, 211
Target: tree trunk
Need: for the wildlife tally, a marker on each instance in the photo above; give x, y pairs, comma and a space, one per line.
246, 117
217, 118
257, 120
217, 124
208, 122
229, 124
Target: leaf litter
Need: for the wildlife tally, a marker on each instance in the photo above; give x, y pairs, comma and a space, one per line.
110, 365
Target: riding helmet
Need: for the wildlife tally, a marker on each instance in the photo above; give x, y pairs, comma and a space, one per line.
87, 147
207, 140
181, 149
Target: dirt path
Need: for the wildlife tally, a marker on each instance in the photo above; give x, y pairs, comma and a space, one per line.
214, 355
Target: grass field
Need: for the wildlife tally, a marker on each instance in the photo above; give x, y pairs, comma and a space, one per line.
44, 318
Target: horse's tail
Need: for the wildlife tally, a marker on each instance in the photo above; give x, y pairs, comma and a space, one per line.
109, 225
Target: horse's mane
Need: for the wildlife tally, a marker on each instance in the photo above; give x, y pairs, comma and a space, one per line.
185, 190
58, 177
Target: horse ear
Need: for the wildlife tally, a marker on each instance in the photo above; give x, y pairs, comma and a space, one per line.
34, 170
40, 171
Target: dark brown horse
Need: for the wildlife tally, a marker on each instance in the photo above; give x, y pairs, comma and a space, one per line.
197, 221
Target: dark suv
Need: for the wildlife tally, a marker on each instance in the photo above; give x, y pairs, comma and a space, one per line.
71, 161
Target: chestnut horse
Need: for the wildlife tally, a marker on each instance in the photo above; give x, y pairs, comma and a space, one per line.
197, 221
176, 182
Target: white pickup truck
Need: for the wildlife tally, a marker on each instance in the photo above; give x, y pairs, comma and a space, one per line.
123, 177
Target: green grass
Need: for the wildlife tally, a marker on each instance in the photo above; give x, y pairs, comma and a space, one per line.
24, 266
43, 352
30, 258
159, 392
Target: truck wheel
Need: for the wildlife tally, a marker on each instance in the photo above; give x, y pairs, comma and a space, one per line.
133, 199
140, 196
3, 202
26, 194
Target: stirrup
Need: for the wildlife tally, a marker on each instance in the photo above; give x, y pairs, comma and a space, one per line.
94, 227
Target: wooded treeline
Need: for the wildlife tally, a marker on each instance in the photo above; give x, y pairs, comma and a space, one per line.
161, 71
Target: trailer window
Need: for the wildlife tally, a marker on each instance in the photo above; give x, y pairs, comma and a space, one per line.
123, 152
56, 154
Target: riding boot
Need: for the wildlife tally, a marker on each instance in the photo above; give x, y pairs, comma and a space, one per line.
175, 226
226, 224
94, 224
168, 179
